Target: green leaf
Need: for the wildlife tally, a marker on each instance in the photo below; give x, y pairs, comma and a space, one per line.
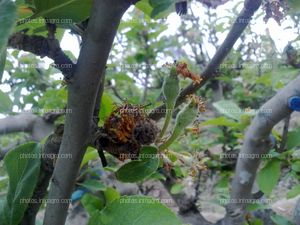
256, 206
2, 212
159, 6
269, 175
293, 139
137, 210
76, 10
296, 166
107, 106
23, 167
120, 77
138, 170
53, 99
155, 3
229, 109
148, 152
93, 185
157, 176
294, 191
294, 6
8, 16
5, 103
144, 6
91, 154
95, 218
91, 203
220, 121
111, 194
257, 222
177, 188
280, 220
2, 62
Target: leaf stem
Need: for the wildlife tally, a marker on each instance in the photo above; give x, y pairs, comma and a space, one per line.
167, 121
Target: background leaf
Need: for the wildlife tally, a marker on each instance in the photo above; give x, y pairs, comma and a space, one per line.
5, 103
268, 176
91, 203
280, 220
293, 139
144, 6
107, 106
220, 121
8, 16
23, 167
294, 191
229, 109
2, 62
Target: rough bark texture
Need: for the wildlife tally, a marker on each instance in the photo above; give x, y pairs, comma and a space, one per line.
42, 47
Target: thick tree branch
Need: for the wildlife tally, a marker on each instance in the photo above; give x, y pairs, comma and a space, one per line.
42, 47
19, 123
104, 21
257, 141
244, 18
49, 151
26, 122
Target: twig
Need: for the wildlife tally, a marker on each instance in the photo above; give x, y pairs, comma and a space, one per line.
284, 134
42, 47
242, 21
96, 116
116, 93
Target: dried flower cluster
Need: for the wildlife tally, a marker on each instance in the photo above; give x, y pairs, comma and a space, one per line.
182, 69
275, 9
197, 101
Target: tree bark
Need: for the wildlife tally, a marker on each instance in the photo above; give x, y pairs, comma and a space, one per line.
104, 20
26, 122
257, 141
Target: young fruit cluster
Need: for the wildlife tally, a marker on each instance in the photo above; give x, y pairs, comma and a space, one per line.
129, 128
